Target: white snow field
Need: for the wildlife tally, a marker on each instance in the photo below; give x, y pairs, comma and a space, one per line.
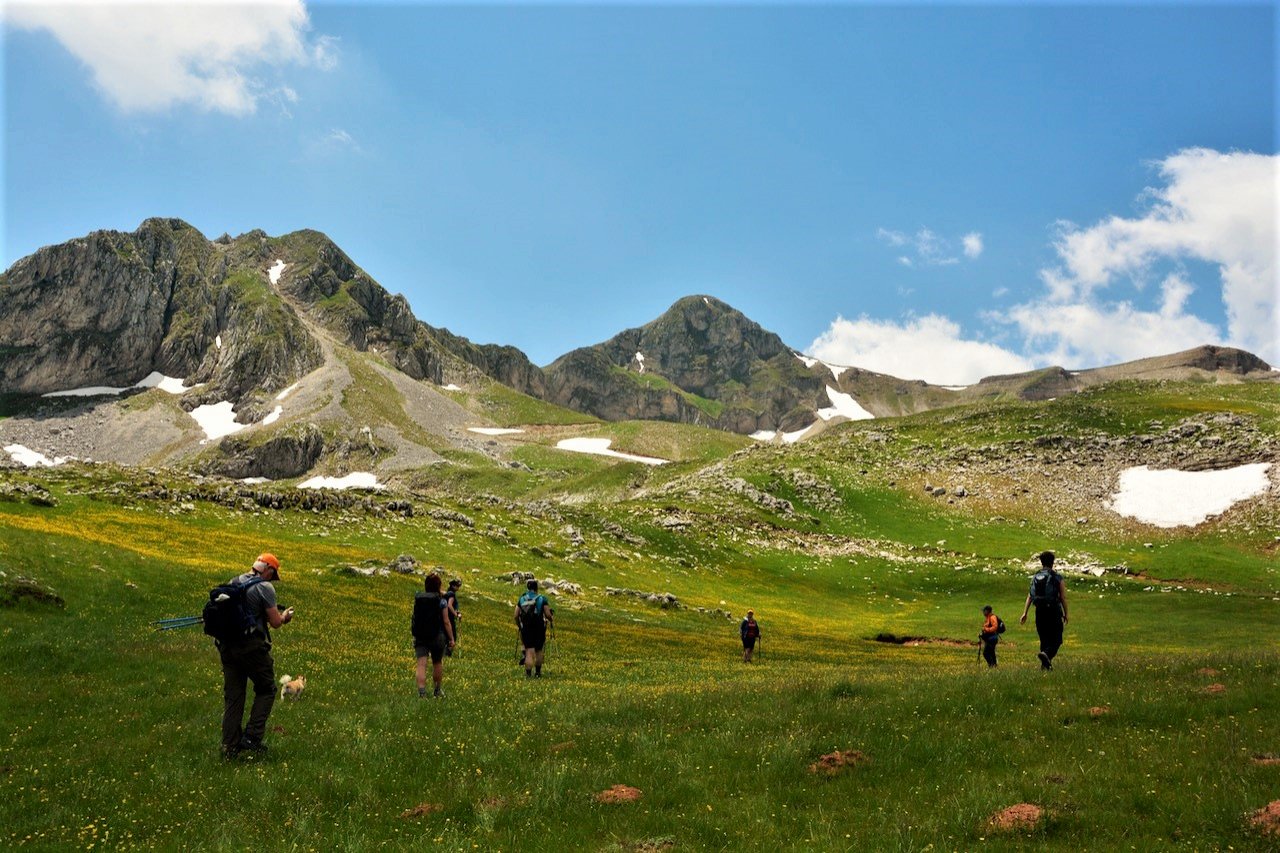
277, 269
32, 458
494, 430
1174, 498
151, 380
600, 447
217, 420
835, 369
354, 480
842, 405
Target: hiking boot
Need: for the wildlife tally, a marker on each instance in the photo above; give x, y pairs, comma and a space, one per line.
253, 747
1044, 661
230, 753
439, 694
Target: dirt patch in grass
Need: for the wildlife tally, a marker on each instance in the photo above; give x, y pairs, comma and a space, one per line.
1267, 759
421, 809
833, 762
619, 794
1216, 687
894, 639
1015, 818
1267, 819
1209, 671
1099, 711
561, 747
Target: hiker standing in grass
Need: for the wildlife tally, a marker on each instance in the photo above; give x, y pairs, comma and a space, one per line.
989, 635
248, 659
432, 634
750, 631
1049, 594
451, 608
533, 615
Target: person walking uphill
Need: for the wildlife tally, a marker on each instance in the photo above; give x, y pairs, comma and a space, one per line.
1049, 594
533, 615
246, 657
989, 635
750, 631
432, 634
451, 608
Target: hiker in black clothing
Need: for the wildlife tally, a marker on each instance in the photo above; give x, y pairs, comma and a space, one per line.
432, 634
750, 631
451, 608
533, 615
248, 659
1049, 594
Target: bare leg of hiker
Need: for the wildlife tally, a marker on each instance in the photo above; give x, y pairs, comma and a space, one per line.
422, 676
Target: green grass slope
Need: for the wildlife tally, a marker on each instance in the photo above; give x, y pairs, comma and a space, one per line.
1145, 736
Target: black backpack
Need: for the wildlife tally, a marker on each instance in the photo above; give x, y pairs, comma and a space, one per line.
1044, 587
531, 610
428, 621
227, 615
999, 625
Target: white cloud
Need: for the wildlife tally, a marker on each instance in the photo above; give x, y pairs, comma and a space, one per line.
1215, 208
930, 248
1087, 334
928, 348
972, 244
148, 56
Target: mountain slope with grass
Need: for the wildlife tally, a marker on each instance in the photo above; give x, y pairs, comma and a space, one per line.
866, 722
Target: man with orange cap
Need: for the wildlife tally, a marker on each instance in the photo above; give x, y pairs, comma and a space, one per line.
249, 659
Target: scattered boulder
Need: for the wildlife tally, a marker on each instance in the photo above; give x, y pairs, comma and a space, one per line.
449, 516
665, 600
405, 564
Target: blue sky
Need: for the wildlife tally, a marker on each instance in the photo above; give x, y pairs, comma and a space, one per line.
934, 191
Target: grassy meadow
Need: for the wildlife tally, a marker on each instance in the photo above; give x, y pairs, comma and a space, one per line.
1144, 737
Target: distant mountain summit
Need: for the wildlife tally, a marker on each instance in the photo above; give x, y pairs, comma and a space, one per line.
702, 361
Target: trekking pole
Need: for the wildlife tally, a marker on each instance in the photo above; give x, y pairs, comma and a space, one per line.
185, 622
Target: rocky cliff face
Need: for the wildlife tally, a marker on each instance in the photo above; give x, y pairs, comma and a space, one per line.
110, 308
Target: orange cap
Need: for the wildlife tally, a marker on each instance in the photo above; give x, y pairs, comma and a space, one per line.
270, 559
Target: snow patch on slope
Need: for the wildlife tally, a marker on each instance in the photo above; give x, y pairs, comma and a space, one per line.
1174, 498
600, 447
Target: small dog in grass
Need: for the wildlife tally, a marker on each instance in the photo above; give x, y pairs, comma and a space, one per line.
292, 687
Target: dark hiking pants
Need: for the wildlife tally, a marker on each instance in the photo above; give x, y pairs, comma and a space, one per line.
246, 662
989, 648
1049, 628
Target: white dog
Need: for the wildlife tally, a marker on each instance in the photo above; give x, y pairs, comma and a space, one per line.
292, 687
